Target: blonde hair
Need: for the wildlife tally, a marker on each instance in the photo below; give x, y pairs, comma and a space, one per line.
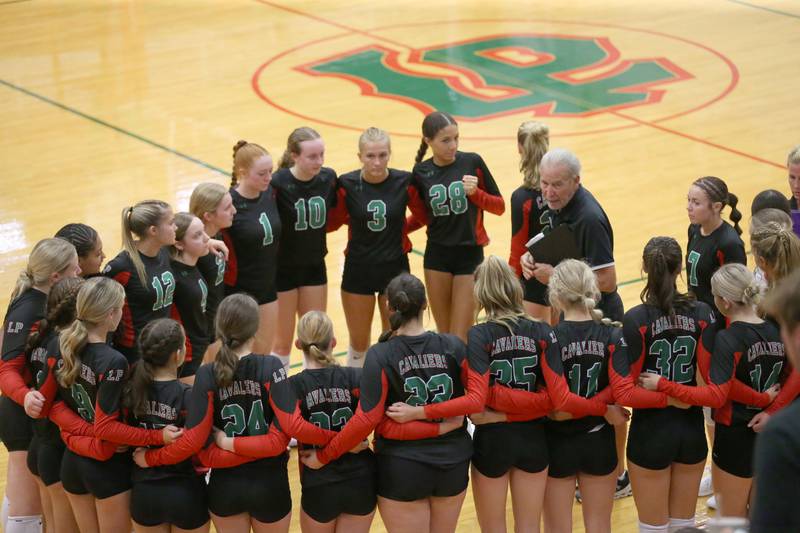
97, 297
244, 155
794, 156
48, 257
498, 292
135, 221
778, 246
573, 284
783, 302
182, 223
293, 144
206, 198
735, 283
374, 135
769, 215
236, 323
315, 333
534, 140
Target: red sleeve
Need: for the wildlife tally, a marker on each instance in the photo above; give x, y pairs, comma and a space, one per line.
718, 381
215, 457
519, 402
414, 430
101, 450
108, 427
473, 400
338, 215
362, 422
68, 420
520, 226
49, 388
269, 445
789, 391
606, 396
622, 385
294, 425
564, 400
12, 382
488, 202
193, 438
419, 214
741, 393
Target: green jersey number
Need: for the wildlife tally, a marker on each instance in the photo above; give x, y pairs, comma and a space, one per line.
311, 212
438, 388
334, 422
446, 199
255, 424
674, 361
165, 288
81, 397
220, 261
772, 379
592, 376
520, 371
378, 210
267, 227
204, 292
693, 258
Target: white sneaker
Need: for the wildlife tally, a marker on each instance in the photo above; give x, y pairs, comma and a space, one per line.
706, 488
711, 503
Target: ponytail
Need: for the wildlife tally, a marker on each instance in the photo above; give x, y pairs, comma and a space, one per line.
405, 297
315, 335
735, 283
236, 323
717, 191
573, 284
136, 220
423, 147
534, 141
244, 155
48, 257
661, 261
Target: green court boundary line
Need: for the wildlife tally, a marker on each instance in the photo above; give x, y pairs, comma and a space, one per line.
764, 8
165, 148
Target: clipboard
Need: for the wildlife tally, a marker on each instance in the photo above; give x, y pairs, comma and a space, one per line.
555, 246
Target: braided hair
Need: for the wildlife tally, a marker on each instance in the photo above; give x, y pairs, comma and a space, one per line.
60, 312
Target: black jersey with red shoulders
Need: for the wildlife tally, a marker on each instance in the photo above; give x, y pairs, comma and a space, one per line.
580, 357
455, 219
762, 364
239, 409
376, 216
252, 241
706, 253
144, 301
513, 357
303, 208
190, 308
529, 217
326, 397
212, 267
38, 365
22, 317
167, 404
96, 396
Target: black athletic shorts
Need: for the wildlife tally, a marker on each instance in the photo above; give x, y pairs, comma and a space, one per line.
406, 480
260, 488
500, 447
356, 496
177, 500
371, 278
571, 453
660, 437
101, 479
189, 368
294, 276
263, 294
456, 260
44, 460
16, 428
534, 291
733, 449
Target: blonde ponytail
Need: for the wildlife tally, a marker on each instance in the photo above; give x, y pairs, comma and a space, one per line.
315, 334
534, 141
574, 285
735, 283
48, 257
135, 221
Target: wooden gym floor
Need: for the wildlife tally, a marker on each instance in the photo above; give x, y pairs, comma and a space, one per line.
107, 103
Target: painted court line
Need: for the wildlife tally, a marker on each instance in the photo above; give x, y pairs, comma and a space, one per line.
765, 8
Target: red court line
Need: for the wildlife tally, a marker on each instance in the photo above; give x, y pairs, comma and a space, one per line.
615, 113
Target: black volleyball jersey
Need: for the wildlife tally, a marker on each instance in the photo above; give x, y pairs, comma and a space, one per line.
212, 267
39, 367
167, 403
705, 254
514, 362
253, 241
239, 409
96, 396
190, 308
429, 370
327, 398
303, 207
376, 216
529, 217
590, 226
22, 317
453, 218
761, 364
144, 302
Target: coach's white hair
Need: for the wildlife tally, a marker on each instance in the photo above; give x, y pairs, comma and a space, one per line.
794, 156
562, 157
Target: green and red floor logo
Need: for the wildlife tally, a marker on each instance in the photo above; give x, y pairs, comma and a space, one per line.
580, 77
